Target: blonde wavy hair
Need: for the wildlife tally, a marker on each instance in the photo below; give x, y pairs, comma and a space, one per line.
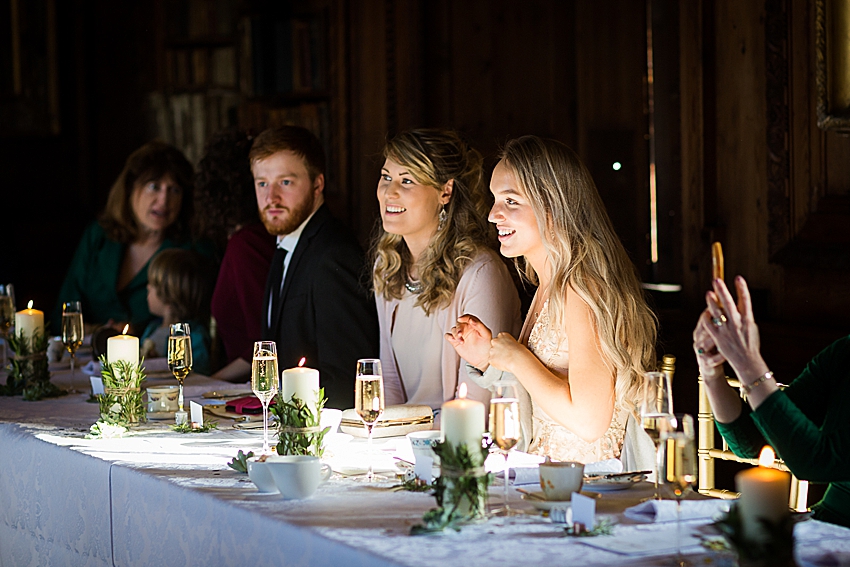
584, 252
434, 157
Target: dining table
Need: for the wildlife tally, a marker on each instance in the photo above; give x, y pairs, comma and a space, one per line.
158, 497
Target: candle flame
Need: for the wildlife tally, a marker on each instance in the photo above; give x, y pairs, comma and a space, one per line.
302, 361
766, 457
126, 328
461, 392
29, 305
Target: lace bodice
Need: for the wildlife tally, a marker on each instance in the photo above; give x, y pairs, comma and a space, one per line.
550, 438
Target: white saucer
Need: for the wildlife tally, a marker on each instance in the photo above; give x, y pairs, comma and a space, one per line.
538, 500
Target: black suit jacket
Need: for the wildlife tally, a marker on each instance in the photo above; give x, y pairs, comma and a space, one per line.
328, 314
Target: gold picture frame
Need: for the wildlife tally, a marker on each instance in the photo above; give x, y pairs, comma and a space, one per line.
832, 68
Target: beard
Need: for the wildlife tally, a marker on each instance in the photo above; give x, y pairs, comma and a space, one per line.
292, 218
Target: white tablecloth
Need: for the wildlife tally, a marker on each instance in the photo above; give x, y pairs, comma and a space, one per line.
163, 498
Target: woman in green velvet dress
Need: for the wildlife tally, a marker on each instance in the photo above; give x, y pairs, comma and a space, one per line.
807, 423
148, 210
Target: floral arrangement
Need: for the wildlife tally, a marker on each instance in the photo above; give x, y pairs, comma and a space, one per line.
776, 550
121, 403
30, 376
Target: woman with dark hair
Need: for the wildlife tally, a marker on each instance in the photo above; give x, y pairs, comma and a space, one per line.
149, 209
226, 212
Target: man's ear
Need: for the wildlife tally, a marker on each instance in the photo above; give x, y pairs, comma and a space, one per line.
319, 183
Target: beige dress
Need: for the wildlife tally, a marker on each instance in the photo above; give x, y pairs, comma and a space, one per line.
550, 438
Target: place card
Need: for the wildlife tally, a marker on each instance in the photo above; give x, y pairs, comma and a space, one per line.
96, 386
197, 413
423, 468
584, 510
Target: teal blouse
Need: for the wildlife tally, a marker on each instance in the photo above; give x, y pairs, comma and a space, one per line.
808, 424
93, 276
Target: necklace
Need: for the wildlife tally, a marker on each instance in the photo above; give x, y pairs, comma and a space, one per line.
413, 287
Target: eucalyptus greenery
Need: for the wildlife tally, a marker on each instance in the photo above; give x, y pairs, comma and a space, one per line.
461, 489
188, 428
295, 414
122, 403
30, 376
777, 549
604, 526
239, 463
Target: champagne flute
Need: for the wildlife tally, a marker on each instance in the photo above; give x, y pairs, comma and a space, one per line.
677, 468
505, 428
369, 399
72, 329
180, 361
656, 410
264, 379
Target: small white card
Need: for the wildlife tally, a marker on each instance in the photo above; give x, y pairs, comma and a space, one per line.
584, 510
422, 469
197, 412
96, 385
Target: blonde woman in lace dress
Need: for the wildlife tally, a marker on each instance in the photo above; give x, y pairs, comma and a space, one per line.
589, 334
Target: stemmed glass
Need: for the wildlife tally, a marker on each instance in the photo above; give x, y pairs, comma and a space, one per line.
505, 428
677, 467
264, 379
7, 317
180, 361
656, 410
369, 399
72, 329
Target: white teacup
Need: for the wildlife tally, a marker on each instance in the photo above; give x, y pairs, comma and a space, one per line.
162, 399
259, 473
422, 443
297, 476
560, 479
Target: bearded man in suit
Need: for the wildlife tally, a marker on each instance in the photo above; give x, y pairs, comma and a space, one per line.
316, 305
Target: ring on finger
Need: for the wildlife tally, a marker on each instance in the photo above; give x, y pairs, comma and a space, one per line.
718, 321
700, 351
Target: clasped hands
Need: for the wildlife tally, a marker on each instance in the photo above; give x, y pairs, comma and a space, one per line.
727, 332
475, 343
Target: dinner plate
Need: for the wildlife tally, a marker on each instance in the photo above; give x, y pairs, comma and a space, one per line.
231, 393
538, 500
609, 485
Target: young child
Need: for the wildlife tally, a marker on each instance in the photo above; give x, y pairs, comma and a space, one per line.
180, 286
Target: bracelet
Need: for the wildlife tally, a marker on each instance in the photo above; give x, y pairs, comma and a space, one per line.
763, 378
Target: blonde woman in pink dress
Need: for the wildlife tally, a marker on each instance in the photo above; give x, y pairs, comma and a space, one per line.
589, 334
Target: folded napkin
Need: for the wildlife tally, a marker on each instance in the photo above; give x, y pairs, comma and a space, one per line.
92, 368
249, 405
665, 510
607, 466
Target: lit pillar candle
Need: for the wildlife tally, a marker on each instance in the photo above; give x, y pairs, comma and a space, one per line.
123, 347
462, 420
301, 382
764, 494
29, 322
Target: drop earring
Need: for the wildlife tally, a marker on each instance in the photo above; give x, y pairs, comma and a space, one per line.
443, 215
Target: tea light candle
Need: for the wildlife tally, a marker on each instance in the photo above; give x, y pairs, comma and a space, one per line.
301, 382
123, 347
764, 494
29, 322
462, 420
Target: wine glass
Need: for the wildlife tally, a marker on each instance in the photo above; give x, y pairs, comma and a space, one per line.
264, 380
677, 467
369, 399
505, 430
656, 410
7, 317
180, 361
72, 329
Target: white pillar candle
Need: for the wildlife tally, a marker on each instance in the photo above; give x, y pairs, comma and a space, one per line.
764, 494
122, 347
301, 382
462, 420
29, 322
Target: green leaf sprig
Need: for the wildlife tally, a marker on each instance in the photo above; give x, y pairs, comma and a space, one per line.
187, 427
296, 414
239, 463
30, 377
